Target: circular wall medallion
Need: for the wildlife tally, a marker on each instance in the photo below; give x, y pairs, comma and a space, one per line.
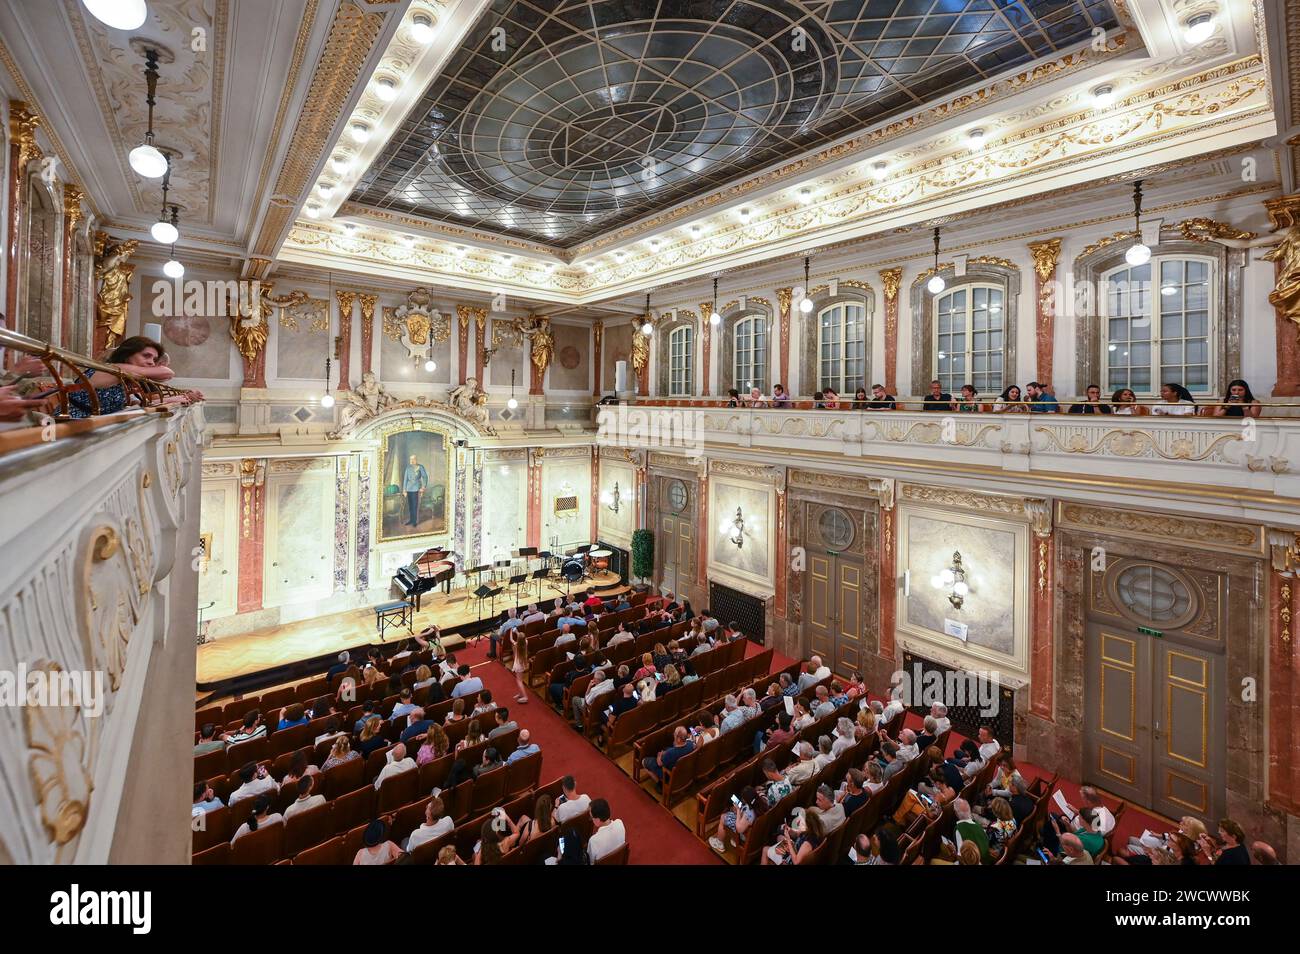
570, 357
678, 497
836, 528
188, 331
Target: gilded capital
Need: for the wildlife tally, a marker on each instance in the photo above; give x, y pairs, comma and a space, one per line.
783, 298
1046, 254
368, 306
72, 197
892, 279
22, 130
1284, 215
345, 300
598, 330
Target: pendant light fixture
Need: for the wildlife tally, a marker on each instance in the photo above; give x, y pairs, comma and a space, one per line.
714, 317
164, 231
172, 268
118, 14
1137, 254
647, 328
512, 403
327, 400
146, 159
936, 283
807, 304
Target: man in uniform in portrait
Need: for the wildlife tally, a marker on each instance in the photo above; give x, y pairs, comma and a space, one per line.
414, 481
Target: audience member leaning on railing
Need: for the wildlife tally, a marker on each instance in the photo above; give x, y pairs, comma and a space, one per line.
1037, 398
134, 374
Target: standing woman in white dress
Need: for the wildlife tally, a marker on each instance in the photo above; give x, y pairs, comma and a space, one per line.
519, 663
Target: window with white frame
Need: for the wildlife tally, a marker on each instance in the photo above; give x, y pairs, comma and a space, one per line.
970, 333
680, 361
1158, 331
750, 365
842, 347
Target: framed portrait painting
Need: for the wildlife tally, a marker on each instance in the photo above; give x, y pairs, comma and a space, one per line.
415, 482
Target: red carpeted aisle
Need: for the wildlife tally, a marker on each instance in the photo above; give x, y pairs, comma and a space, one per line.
655, 836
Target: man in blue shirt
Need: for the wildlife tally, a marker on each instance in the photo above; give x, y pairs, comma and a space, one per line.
526, 748
1039, 400
503, 631
665, 760
414, 481
468, 685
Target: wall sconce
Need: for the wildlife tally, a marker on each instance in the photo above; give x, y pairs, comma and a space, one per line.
612, 500
735, 529
953, 577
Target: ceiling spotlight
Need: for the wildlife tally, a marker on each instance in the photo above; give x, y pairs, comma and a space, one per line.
880, 169
431, 365
460, 251
360, 132
1199, 28
744, 213
118, 14
654, 243
936, 283
350, 228
618, 256
1103, 96
1137, 254
975, 138
312, 210
549, 266
589, 268
340, 164
386, 89
408, 241
326, 189
146, 158
421, 29
805, 195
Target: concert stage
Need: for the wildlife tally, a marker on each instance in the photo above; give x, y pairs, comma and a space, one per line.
250, 661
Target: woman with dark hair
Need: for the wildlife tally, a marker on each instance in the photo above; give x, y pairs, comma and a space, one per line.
1238, 402
1010, 401
138, 355
572, 848
1124, 401
259, 817
969, 403
860, 399
733, 398
1178, 401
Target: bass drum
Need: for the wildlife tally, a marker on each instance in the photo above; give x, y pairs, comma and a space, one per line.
572, 570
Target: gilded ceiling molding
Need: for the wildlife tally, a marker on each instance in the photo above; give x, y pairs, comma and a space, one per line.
841, 283
964, 499
298, 304
351, 40
23, 124
1179, 531
1201, 229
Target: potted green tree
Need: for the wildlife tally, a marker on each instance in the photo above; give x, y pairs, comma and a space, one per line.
643, 555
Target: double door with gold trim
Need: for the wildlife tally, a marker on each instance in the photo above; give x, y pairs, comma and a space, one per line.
835, 610
1154, 701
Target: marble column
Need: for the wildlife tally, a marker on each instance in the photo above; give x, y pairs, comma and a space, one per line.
476, 540
252, 533
72, 213
782, 554
22, 150
480, 359
1045, 254
706, 347
367, 329
595, 492
891, 278
888, 582
342, 514
598, 365
1284, 680
462, 342
705, 530
1042, 643
533, 523
363, 522
784, 297
460, 534
345, 301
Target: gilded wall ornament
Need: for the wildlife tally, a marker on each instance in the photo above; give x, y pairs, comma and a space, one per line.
23, 124
57, 765
891, 279
113, 277
1201, 229
1285, 296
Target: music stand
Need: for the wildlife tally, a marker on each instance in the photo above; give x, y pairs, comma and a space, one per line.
539, 574
518, 580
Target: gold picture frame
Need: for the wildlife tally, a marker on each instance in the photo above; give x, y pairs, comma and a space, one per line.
429, 442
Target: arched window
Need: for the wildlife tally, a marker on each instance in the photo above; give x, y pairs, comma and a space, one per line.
970, 330
681, 361
1159, 330
842, 347
750, 362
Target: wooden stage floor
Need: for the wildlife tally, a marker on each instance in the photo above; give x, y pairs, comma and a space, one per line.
275, 647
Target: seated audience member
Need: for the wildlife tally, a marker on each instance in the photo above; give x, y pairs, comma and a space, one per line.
435, 745
831, 812
805, 768
491, 846
777, 785
706, 729
306, 797
667, 758
1080, 828
256, 780
968, 403
510, 623
823, 757
424, 677
1041, 400
780, 398
626, 701
491, 760
468, 684
892, 710
367, 710
621, 636
609, 835
504, 723
819, 401
372, 736
570, 804
874, 776
907, 746
474, 736
1073, 851
831, 399
484, 705
988, 746
1230, 848
1001, 826
1102, 821
881, 400
523, 748
402, 706
533, 614
1022, 803
855, 794
205, 800
738, 819
1238, 402
344, 661
802, 716
733, 398
1092, 404
258, 817
937, 399
968, 829
780, 733
341, 752
436, 824
416, 726
298, 767
376, 848
929, 733
457, 713
1262, 853
398, 762
1010, 401
253, 728
599, 685
208, 741
797, 841
941, 721
566, 637
822, 705
581, 667
845, 736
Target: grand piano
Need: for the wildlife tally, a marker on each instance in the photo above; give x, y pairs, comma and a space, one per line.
424, 573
